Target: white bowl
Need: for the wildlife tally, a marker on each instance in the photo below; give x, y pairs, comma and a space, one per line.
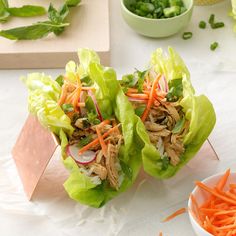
201, 196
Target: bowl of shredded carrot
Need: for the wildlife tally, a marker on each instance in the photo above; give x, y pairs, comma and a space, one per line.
212, 205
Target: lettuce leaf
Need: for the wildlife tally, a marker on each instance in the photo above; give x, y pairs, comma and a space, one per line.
198, 110
112, 102
44, 93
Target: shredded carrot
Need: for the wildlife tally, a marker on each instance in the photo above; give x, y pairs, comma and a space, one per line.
63, 94
217, 215
102, 142
105, 122
81, 104
137, 95
172, 216
96, 141
213, 192
151, 98
223, 180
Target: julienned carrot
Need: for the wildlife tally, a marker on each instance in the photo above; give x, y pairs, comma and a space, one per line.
76, 98
151, 97
213, 192
196, 207
63, 95
138, 95
81, 104
102, 142
96, 141
178, 212
223, 180
105, 122
232, 186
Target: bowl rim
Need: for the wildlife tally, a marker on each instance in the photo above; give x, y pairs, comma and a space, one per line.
194, 191
153, 20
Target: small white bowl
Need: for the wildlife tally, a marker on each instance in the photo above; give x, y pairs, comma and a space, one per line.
201, 196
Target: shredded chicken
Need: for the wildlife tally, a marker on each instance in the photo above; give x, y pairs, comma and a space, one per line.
98, 169
160, 123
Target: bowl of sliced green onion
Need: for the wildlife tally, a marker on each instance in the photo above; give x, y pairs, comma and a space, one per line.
157, 18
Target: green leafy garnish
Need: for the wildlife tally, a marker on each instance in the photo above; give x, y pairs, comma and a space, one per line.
60, 80
175, 90
4, 14
67, 108
187, 35
92, 118
165, 163
211, 19
139, 110
141, 77
89, 104
202, 24
27, 11
178, 126
214, 46
56, 24
84, 141
72, 3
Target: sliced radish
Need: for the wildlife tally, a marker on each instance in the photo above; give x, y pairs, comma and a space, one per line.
163, 85
90, 93
84, 158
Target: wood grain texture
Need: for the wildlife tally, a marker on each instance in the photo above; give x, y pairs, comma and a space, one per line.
89, 28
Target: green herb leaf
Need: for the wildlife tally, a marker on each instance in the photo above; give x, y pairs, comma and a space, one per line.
178, 126
214, 46
141, 76
27, 11
93, 118
139, 110
175, 90
35, 31
165, 163
126, 169
202, 25
84, 141
72, 3
211, 19
60, 80
4, 14
67, 108
187, 35
90, 105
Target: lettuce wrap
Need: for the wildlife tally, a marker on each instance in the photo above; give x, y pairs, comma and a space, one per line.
87, 109
176, 121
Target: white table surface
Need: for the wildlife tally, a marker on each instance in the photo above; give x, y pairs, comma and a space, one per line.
138, 211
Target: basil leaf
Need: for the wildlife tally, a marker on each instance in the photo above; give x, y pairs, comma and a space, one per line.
27, 11
64, 11
165, 163
139, 110
90, 105
60, 80
72, 3
67, 108
3, 12
175, 90
178, 126
93, 118
27, 32
32, 32
84, 141
54, 15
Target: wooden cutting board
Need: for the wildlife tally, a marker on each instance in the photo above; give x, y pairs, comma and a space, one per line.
89, 28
